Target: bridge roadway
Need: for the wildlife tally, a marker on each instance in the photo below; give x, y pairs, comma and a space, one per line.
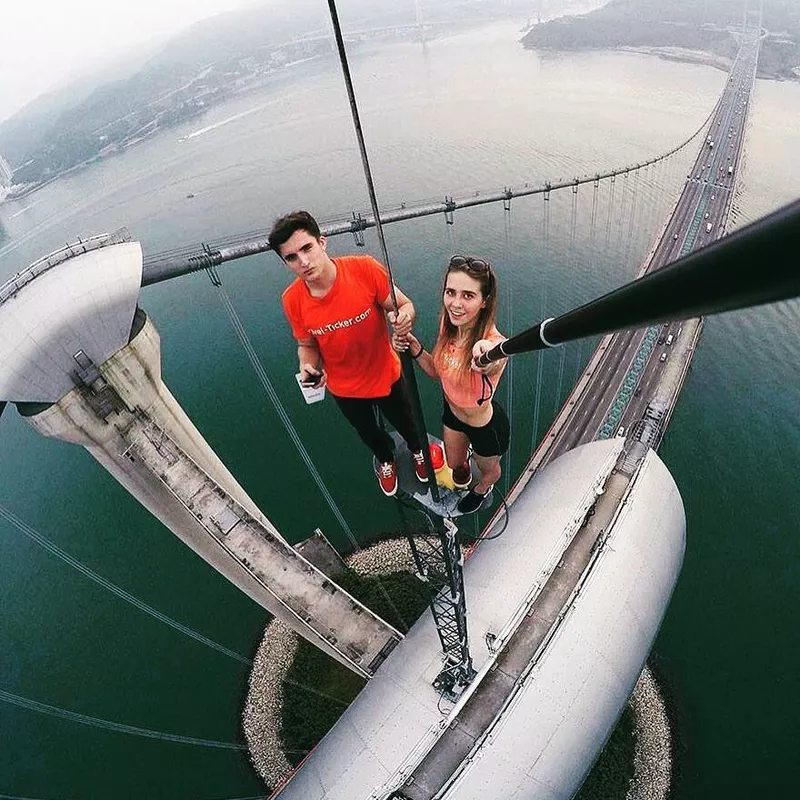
631, 369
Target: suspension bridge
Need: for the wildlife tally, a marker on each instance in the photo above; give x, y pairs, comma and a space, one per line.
632, 380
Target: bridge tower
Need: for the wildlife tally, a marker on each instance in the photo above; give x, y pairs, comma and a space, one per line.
6, 173
82, 363
419, 22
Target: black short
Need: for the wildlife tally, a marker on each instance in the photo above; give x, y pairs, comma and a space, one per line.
491, 439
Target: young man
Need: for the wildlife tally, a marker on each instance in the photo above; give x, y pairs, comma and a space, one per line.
336, 310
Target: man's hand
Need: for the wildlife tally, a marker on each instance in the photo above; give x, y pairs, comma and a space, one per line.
311, 376
401, 322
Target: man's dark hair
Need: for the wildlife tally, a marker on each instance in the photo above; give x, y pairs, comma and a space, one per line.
284, 227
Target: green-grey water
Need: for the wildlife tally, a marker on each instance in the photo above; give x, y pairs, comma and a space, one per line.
436, 124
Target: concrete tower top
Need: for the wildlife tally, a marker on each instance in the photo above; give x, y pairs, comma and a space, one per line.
546, 736
80, 299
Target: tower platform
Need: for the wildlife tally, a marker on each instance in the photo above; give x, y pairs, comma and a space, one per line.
409, 485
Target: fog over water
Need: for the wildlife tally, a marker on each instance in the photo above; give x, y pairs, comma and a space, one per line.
51, 42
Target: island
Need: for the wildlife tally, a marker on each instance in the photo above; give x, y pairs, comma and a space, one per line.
686, 30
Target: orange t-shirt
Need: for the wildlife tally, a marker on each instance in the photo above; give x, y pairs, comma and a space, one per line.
349, 327
463, 388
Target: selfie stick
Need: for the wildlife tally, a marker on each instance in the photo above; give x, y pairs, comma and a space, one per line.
755, 265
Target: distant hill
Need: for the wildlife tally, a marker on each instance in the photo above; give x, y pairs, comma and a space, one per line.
23, 132
142, 76
689, 24
197, 68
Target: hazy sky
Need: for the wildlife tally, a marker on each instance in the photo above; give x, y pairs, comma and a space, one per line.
45, 41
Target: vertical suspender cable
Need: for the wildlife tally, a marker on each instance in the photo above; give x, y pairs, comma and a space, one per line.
539, 380
411, 390
510, 327
592, 263
632, 218
570, 257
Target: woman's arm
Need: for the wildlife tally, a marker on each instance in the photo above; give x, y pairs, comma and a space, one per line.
417, 352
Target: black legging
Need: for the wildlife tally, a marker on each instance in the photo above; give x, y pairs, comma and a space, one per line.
360, 413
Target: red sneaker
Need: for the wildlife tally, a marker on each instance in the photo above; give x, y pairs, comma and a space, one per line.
387, 478
419, 466
462, 476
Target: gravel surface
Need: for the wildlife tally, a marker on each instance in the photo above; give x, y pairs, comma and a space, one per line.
262, 711
652, 760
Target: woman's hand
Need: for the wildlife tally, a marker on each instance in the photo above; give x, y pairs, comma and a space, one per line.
479, 348
402, 342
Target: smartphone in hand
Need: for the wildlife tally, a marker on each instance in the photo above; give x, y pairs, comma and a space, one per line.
312, 381
310, 387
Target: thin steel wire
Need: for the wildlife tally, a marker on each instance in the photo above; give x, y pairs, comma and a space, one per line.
114, 589
119, 727
509, 372
539, 380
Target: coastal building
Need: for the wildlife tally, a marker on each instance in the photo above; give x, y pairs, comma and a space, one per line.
6, 173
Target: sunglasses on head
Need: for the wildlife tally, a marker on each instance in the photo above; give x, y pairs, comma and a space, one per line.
474, 264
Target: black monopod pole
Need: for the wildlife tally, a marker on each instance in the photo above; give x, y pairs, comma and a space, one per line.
410, 381
755, 265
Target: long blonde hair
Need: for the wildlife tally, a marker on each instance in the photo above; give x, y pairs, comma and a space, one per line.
480, 270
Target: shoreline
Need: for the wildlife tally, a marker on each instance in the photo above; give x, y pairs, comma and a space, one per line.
680, 54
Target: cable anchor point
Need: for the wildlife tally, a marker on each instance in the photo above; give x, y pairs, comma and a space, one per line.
357, 227
208, 260
449, 208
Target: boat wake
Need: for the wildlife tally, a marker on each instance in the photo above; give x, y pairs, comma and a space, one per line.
227, 121
23, 210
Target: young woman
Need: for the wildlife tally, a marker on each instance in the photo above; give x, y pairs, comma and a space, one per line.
470, 416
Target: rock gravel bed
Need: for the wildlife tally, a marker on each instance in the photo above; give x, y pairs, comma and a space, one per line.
262, 711
261, 719
392, 555
652, 759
